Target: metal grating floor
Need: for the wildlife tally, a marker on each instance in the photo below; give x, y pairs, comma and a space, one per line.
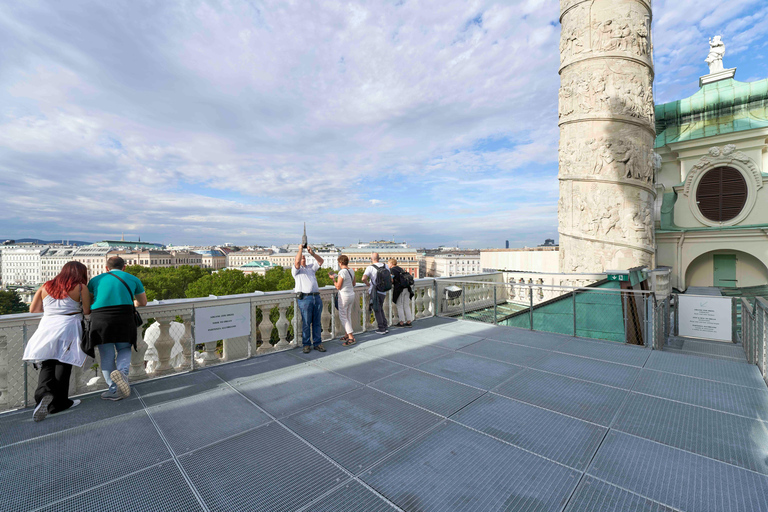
446, 416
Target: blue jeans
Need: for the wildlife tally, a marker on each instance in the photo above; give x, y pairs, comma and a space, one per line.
311, 308
108, 359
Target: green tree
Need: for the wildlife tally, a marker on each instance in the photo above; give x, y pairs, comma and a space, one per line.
11, 303
165, 282
225, 282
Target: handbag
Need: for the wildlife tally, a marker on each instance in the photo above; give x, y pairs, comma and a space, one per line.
136, 316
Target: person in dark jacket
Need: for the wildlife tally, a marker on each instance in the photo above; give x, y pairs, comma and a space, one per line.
402, 293
116, 294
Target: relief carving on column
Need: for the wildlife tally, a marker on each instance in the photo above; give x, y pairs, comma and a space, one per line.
588, 28
601, 91
615, 158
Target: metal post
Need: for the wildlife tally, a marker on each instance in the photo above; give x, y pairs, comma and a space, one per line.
677, 315
192, 342
625, 312
24, 346
530, 309
366, 311
463, 302
434, 297
495, 318
734, 319
250, 330
573, 295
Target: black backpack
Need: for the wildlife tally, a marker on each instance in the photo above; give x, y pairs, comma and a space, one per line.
383, 279
406, 279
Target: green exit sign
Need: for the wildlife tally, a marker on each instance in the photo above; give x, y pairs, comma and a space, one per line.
618, 277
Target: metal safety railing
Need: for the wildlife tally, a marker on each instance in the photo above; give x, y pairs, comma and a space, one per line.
754, 332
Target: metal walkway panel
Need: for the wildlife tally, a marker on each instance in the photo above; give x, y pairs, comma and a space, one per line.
507, 352
749, 402
583, 400
677, 478
159, 488
465, 327
359, 428
436, 394
594, 495
293, 389
715, 348
359, 367
452, 341
454, 468
718, 435
267, 469
471, 370
257, 368
37, 472
405, 352
609, 351
352, 497
561, 438
205, 418
730, 372
19, 426
155, 392
537, 339
600, 372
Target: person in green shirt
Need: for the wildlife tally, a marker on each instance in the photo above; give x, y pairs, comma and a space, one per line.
116, 294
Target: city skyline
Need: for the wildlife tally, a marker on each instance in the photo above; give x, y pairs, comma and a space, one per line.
269, 120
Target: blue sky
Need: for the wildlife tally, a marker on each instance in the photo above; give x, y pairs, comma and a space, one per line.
235, 121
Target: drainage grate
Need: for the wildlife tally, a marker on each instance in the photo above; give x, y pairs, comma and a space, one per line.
566, 440
506, 352
157, 488
202, 419
360, 427
730, 372
710, 433
433, 393
292, 389
267, 469
360, 367
750, 402
600, 372
180, 386
43, 470
678, 478
607, 351
597, 496
20, 426
454, 468
583, 400
471, 370
352, 497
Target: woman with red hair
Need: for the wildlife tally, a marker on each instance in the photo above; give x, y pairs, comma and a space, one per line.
56, 343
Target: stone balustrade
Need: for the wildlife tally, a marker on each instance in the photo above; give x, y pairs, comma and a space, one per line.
523, 285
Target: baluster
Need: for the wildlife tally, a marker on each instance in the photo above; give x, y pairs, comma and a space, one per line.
137, 370
255, 328
357, 322
186, 342
325, 318
415, 304
209, 356
282, 326
163, 345
265, 328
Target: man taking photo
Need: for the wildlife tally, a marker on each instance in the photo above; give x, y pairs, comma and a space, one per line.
310, 303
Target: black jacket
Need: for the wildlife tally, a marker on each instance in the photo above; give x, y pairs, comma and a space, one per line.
397, 287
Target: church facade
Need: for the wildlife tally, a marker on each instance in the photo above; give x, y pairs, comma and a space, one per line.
712, 187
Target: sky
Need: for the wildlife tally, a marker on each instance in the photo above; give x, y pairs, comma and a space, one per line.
207, 122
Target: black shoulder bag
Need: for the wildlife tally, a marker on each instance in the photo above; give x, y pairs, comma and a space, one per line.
136, 315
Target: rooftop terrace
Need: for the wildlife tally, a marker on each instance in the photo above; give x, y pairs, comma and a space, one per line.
449, 415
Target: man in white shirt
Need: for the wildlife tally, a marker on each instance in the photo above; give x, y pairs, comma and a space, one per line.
310, 303
370, 277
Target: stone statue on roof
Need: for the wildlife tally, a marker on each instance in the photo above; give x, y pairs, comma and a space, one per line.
716, 54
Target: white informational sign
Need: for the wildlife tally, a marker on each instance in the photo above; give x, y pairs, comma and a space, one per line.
706, 317
222, 322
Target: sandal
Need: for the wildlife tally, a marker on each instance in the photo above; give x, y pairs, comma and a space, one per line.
401, 324
344, 338
349, 342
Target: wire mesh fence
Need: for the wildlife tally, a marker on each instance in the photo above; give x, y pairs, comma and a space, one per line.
754, 332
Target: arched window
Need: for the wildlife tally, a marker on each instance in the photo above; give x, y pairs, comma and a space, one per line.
721, 194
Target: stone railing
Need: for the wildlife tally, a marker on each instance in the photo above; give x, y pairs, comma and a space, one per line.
661, 283
477, 293
543, 286
167, 340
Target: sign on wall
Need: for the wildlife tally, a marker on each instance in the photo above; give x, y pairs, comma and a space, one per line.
222, 322
705, 317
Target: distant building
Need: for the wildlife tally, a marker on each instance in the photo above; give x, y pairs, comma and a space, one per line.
94, 258
53, 260
158, 259
287, 259
212, 258
256, 267
126, 244
549, 242
409, 259
507, 244
458, 263
22, 266
237, 259
533, 259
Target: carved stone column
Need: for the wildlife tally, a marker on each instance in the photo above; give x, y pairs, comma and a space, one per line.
265, 328
137, 369
606, 135
282, 326
186, 342
163, 345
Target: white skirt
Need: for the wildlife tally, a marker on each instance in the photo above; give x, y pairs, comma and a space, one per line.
57, 337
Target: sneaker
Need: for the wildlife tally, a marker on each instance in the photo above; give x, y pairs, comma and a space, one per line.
121, 381
41, 411
307, 349
319, 347
382, 332
111, 395
75, 403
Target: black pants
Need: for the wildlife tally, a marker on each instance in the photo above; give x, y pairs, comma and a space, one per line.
54, 380
377, 304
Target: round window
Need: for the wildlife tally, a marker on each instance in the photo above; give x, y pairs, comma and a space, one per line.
721, 194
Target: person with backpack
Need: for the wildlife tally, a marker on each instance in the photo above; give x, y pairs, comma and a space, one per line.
402, 293
379, 281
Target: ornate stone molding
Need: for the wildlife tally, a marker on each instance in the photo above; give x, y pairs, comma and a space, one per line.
567, 5
645, 248
727, 156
